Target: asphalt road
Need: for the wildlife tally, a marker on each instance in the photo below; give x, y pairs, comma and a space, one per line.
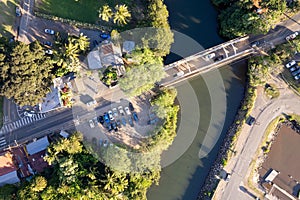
286, 104
10, 112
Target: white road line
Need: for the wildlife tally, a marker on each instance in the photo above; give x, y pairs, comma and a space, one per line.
1, 141
30, 119
5, 128
2, 138
26, 120
38, 116
44, 115
34, 117
14, 124
22, 122
19, 123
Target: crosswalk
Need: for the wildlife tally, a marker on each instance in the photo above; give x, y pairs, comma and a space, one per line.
20, 123
2, 141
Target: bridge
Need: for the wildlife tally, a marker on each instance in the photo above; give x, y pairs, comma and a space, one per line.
201, 62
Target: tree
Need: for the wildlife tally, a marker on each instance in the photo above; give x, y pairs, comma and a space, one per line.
122, 15
25, 73
142, 76
105, 13
38, 184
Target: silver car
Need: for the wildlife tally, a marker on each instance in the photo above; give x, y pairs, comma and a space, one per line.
110, 114
127, 111
115, 112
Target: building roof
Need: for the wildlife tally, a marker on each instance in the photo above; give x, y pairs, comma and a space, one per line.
9, 178
128, 46
6, 163
37, 146
37, 162
94, 61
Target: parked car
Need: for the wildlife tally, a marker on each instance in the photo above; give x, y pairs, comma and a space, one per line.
135, 117
119, 123
293, 68
106, 118
101, 119
228, 176
297, 77
105, 143
124, 121
90, 103
114, 126
296, 72
250, 120
153, 121
47, 43
130, 122
210, 56
92, 125
110, 114
127, 111
28, 114
104, 36
49, 52
95, 43
255, 44
101, 142
219, 58
18, 12
292, 36
121, 111
50, 31
131, 108
115, 112
109, 127
290, 64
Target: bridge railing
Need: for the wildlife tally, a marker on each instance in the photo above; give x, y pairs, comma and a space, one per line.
204, 52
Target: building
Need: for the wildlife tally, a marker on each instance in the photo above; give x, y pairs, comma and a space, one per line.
37, 146
8, 171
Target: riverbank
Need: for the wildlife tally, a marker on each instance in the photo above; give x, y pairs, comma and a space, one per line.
227, 149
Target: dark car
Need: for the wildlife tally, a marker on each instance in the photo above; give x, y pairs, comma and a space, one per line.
119, 123
153, 121
250, 120
135, 117
124, 121
106, 118
255, 44
114, 126
109, 127
101, 119
50, 31
104, 36
219, 58
130, 122
47, 43
131, 108
95, 42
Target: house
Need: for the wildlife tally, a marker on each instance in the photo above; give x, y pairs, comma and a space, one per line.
8, 171
37, 146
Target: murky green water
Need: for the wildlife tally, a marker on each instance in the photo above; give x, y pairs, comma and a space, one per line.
208, 107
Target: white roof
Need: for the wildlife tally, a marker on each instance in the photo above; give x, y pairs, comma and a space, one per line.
64, 134
37, 146
271, 176
94, 61
9, 178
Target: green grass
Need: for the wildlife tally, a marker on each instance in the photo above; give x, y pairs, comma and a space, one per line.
290, 80
80, 10
7, 16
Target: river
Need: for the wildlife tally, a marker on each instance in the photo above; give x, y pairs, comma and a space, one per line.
208, 107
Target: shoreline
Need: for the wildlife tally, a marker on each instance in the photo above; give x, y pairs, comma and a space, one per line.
211, 182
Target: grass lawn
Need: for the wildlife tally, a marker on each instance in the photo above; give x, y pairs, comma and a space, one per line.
7, 16
80, 10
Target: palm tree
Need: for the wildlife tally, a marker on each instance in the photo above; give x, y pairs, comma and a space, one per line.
105, 13
122, 14
83, 42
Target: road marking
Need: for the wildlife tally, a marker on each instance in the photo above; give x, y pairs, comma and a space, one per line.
35, 117
26, 120
5, 128
14, 124
22, 122
18, 123
38, 116
2, 144
44, 115
2, 138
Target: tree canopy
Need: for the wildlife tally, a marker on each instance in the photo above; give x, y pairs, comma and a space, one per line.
25, 73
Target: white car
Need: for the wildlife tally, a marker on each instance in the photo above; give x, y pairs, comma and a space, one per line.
49, 31
28, 114
92, 125
127, 111
110, 114
115, 112
121, 111
291, 63
49, 51
297, 77
293, 69
91, 103
292, 36
210, 56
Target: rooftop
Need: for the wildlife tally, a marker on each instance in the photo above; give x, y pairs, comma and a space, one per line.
6, 163
37, 146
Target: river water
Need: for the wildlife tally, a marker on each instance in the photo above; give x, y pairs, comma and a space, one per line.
208, 107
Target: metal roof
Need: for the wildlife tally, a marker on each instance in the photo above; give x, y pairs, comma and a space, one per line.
9, 178
37, 146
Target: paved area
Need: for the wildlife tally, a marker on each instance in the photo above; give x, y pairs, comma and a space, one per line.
264, 111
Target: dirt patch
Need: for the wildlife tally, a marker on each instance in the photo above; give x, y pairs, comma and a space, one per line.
284, 158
